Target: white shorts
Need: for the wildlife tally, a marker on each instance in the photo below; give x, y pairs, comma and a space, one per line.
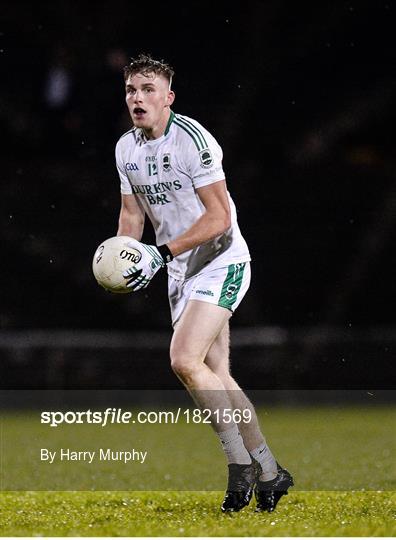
223, 287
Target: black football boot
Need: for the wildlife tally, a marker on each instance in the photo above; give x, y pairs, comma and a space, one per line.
268, 493
241, 480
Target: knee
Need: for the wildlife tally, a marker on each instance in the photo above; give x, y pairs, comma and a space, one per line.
183, 364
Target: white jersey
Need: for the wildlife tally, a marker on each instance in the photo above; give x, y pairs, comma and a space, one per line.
164, 174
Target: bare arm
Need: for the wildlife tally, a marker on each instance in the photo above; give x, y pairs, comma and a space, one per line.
215, 221
131, 220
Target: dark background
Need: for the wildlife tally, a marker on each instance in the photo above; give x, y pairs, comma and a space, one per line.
301, 97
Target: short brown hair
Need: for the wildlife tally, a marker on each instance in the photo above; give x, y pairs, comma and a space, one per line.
145, 64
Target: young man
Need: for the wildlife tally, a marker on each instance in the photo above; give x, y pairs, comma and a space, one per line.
170, 169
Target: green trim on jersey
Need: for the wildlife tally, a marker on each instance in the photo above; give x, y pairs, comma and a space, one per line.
196, 142
168, 125
195, 134
196, 130
232, 285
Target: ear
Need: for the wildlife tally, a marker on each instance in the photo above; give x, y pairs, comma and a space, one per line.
170, 98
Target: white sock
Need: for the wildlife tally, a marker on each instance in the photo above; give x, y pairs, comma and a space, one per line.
263, 455
232, 443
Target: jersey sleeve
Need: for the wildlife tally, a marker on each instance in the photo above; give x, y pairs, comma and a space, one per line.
204, 160
125, 186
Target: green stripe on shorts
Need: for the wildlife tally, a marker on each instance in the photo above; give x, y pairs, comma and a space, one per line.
232, 285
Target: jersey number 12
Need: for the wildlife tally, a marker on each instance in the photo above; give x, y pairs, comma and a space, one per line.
152, 168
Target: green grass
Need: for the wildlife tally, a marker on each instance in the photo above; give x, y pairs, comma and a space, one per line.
342, 460
194, 514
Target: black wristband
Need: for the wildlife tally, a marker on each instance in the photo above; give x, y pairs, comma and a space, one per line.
166, 253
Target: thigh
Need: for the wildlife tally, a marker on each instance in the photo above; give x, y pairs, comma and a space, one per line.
217, 357
197, 329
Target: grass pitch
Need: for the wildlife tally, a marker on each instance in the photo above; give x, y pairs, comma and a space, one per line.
194, 514
325, 448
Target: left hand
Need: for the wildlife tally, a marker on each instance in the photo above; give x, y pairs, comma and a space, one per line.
140, 275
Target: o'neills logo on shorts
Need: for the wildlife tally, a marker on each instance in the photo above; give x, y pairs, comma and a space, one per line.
208, 293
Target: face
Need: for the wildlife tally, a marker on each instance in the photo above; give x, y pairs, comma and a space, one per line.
148, 98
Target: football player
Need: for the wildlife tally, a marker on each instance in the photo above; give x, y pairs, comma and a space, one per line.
170, 169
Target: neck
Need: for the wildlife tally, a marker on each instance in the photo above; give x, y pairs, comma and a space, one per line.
159, 129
